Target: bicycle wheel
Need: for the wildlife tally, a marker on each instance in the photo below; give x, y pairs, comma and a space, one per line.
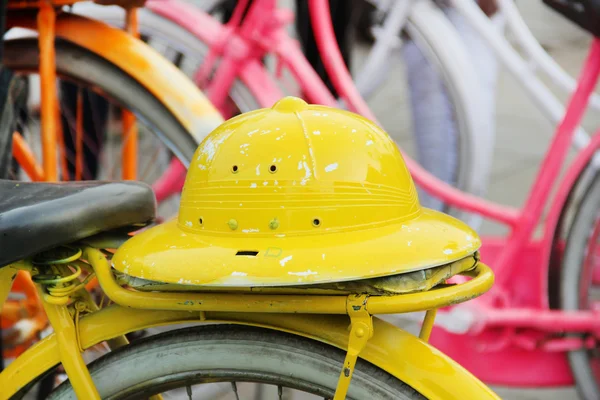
90, 80
578, 288
472, 142
178, 362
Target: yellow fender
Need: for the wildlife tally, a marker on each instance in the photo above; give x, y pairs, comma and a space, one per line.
159, 76
401, 354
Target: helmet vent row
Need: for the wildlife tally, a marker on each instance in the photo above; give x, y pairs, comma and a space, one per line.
272, 169
273, 224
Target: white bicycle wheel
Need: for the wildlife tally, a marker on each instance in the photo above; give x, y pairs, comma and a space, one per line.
448, 96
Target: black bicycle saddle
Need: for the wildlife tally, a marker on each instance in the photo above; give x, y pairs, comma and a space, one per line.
39, 216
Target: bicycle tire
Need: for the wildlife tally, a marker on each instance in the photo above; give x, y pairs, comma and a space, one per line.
474, 169
432, 31
81, 65
228, 353
585, 218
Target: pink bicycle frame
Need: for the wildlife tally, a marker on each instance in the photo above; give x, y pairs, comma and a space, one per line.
519, 300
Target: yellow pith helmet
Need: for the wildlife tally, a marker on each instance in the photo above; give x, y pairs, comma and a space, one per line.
296, 194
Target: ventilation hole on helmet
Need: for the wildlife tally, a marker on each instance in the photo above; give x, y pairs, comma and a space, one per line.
250, 253
273, 169
201, 220
234, 169
316, 222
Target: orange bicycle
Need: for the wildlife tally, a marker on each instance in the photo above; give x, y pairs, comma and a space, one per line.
154, 113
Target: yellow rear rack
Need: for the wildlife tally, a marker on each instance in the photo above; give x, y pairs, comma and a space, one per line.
482, 279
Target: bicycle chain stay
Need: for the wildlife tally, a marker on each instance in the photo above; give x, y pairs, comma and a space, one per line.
361, 330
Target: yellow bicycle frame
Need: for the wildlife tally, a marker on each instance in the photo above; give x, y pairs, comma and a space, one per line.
401, 354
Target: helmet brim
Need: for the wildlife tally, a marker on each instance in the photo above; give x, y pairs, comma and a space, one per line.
167, 253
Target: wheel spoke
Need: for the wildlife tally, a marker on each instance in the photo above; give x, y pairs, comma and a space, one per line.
69, 107
235, 391
26, 159
188, 389
280, 392
149, 165
60, 138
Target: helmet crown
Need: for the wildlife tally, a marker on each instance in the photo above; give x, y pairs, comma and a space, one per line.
296, 169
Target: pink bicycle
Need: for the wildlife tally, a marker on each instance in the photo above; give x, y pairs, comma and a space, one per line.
539, 326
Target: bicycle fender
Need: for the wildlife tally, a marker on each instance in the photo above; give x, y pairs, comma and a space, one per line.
416, 363
155, 73
392, 349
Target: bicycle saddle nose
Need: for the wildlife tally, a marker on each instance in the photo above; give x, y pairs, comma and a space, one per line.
296, 194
